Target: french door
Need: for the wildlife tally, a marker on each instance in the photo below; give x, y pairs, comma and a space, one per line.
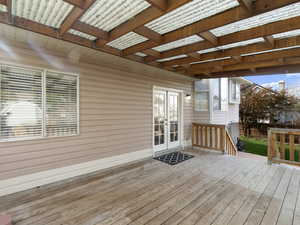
166, 112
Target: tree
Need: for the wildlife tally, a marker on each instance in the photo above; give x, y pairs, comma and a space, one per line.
261, 105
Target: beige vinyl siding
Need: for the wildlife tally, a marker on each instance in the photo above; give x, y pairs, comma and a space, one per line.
115, 114
202, 117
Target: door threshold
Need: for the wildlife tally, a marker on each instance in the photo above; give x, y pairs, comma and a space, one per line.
166, 151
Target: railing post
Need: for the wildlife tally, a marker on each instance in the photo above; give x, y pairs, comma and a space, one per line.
270, 147
193, 135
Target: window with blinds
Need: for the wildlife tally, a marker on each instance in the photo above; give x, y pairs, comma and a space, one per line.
61, 104
37, 103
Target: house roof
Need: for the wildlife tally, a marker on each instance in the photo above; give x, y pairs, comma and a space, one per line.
196, 38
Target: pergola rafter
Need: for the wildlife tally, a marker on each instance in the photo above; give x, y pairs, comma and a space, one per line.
75, 14
182, 57
91, 30
77, 3
221, 19
247, 5
256, 32
159, 4
237, 51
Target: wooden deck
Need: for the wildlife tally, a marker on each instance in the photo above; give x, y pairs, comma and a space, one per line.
210, 189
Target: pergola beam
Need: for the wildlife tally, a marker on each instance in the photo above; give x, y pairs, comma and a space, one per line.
271, 4
74, 15
148, 33
270, 40
262, 64
77, 3
159, 4
253, 70
221, 19
91, 30
208, 36
260, 68
194, 55
248, 59
247, 5
258, 71
152, 52
237, 58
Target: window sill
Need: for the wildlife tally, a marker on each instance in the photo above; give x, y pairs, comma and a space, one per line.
234, 103
201, 110
34, 138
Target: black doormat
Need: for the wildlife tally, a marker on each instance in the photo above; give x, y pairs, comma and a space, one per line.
174, 158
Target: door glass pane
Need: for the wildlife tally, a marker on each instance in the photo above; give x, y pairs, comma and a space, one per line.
159, 117
173, 116
162, 139
176, 137
172, 137
156, 140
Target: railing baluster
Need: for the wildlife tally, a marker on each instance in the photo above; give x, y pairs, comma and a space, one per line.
199, 135
216, 138
205, 137
222, 138
193, 134
273, 147
211, 137
292, 147
282, 146
270, 157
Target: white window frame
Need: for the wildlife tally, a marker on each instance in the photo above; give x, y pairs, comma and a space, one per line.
44, 72
236, 84
197, 109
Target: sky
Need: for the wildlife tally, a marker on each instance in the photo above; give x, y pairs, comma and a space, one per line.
291, 80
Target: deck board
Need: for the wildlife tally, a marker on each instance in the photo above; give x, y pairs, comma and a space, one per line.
210, 189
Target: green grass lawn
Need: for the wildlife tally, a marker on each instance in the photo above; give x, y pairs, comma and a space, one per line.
260, 147
256, 146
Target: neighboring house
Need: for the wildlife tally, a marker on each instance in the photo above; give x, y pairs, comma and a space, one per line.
288, 117
217, 102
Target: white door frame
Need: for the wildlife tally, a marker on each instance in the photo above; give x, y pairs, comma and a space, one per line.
181, 111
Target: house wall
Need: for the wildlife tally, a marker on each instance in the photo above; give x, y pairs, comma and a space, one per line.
225, 117
115, 116
201, 117
233, 113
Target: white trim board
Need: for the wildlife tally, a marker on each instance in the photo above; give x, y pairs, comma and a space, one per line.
30, 181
